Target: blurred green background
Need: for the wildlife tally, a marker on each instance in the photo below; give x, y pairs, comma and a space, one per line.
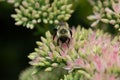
16, 42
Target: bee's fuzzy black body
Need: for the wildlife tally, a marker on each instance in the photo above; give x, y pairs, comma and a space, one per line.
63, 34
63, 39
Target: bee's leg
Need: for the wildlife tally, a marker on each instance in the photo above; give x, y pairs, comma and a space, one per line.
58, 41
54, 34
71, 33
68, 42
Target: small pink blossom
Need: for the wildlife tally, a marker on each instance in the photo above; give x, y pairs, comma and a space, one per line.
69, 66
79, 63
98, 63
50, 55
112, 78
116, 7
63, 54
97, 77
118, 61
98, 16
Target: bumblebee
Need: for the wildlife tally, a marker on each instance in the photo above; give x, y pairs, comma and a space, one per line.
62, 33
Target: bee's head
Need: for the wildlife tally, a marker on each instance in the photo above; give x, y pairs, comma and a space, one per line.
63, 29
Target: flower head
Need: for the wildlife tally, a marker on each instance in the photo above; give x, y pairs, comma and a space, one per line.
108, 11
29, 13
93, 54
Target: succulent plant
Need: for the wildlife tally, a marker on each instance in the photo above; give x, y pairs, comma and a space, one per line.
28, 74
91, 55
106, 11
29, 13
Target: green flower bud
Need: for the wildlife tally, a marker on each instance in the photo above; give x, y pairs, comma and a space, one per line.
18, 23
105, 20
43, 40
34, 21
45, 21
116, 26
24, 19
54, 65
32, 55
48, 69
24, 3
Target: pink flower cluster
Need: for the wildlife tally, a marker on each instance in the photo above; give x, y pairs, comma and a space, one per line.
101, 57
94, 52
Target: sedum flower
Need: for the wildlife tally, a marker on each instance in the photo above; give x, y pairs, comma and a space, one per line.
90, 55
29, 13
106, 11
